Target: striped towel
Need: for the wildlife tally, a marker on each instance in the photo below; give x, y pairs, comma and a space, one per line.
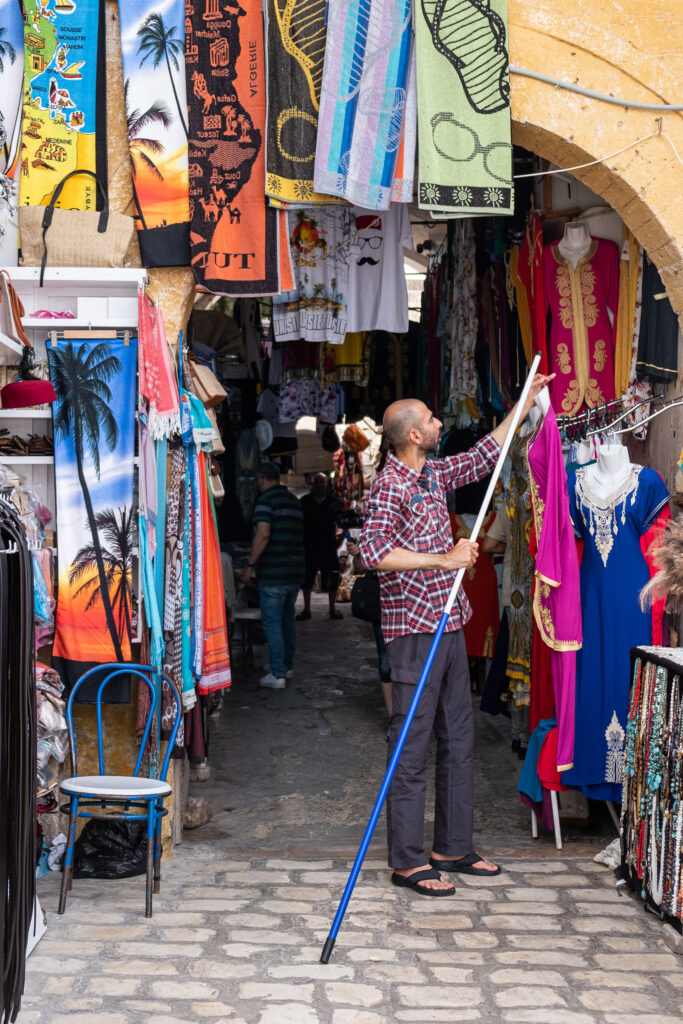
363, 100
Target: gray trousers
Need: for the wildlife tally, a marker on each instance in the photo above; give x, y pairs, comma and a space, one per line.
445, 707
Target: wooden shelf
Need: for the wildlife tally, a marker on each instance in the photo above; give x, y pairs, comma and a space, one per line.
84, 275
26, 414
27, 460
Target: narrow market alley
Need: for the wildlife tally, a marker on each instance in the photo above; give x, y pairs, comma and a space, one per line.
247, 900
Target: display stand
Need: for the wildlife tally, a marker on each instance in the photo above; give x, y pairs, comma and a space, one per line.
652, 807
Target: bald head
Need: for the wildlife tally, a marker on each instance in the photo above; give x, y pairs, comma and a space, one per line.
400, 418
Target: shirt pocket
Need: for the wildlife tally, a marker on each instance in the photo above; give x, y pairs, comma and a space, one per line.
422, 522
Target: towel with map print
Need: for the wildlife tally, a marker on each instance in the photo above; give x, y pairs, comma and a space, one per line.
464, 130
233, 231
11, 77
296, 36
152, 48
363, 99
64, 125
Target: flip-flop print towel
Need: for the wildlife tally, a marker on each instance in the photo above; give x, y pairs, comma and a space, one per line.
465, 152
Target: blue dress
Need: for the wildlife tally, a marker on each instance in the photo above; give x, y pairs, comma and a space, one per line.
613, 571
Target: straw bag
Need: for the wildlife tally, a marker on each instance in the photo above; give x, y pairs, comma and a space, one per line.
209, 389
75, 238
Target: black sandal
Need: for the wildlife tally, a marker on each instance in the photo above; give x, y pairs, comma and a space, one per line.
412, 882
464, 865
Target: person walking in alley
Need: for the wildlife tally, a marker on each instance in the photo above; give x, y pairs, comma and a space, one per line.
407, 538
321, 509
277, 554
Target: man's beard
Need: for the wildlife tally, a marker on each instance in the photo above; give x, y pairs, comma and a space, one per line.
431, 445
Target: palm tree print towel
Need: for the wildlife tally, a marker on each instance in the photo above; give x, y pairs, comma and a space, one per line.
465, 152
65, 110
152, 46
94, 419
11, 75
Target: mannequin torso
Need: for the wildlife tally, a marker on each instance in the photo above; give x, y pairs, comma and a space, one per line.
575, 243
610, 472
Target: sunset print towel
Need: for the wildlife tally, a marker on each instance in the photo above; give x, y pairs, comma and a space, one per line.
152, 46
94, 421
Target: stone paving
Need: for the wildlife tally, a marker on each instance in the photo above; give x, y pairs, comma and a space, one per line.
548, 941
248, 899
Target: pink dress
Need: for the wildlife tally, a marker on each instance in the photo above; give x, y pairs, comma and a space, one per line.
557, 596
581, 343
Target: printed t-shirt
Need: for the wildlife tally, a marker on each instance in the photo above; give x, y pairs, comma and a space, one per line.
282, 563
377, 293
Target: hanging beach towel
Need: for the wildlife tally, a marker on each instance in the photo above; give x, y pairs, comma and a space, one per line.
94, 428
463, 87
363, 99
152, 45
234, 233
296, 50
404, 173
64, 125
11, 78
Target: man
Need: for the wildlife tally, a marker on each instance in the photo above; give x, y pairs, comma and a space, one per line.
277, 554
407, 537
320, 544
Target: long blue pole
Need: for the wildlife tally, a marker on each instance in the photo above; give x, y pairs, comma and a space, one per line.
422, 682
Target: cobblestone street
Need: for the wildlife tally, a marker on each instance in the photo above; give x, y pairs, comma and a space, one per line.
247, 900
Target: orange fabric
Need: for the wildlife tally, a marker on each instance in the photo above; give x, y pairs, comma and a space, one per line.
215, 655
530, 272
284, 256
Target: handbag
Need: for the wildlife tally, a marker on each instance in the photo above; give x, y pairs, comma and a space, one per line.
207, 385
76, 238
365, 602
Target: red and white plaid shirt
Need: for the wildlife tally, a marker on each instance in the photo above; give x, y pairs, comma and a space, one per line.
408, 510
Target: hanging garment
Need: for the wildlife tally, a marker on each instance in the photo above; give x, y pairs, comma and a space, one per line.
521, 302
404, 172
639, 392
296, 36
464, 321
363, 99
316, 310
234, 233
350, 360
613, 572
518, 507
629, 264
480, 584
176, 555
65, 107
530, 274
158, 385
377, 296
581, 344
94, 428
214, 673
465, 150
658, 341
152, 50
11, 78
556, 601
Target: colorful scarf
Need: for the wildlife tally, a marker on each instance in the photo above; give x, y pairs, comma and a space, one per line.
404, 174
465, 149
64, 117
11, 77
233, 236
363, 100
296, 49
94, 428
156, 112
176, 556
158, 385
215, 657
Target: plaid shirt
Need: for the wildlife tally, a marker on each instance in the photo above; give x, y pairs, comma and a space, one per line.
408, 510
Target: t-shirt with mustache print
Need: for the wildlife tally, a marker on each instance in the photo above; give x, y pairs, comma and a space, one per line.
377, 294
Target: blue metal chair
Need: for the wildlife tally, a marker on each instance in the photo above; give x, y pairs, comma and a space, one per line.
138, 798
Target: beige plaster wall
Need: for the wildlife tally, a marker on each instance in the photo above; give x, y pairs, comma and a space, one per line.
624, 48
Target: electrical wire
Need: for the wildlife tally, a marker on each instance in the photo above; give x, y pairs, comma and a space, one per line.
604, 159
558, 83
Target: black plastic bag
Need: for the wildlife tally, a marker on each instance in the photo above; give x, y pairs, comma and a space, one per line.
111, 849
365, 601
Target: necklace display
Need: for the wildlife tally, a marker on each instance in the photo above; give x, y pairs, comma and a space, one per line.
652, 798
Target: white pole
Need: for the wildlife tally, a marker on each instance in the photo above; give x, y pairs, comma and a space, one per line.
496, 473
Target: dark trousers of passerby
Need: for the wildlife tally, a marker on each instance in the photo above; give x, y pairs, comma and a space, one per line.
445, 708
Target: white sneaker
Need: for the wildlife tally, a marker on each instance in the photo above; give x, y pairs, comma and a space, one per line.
288, 674
273, 682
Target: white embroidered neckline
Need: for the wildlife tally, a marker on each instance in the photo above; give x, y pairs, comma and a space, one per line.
604, 525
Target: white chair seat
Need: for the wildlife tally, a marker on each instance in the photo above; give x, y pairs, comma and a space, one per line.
247, 614
115, 786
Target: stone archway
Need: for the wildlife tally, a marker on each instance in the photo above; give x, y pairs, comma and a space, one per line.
622, 49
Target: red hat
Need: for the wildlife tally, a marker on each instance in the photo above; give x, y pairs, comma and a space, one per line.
23, 393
